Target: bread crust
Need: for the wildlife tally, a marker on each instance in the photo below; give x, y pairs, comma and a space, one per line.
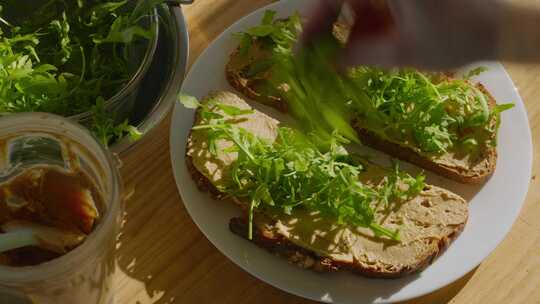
408, 154
307, 259
203, 184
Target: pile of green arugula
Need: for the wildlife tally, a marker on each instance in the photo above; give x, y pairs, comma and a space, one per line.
293, 172
68, 57
425, 110
271, 32
432, 112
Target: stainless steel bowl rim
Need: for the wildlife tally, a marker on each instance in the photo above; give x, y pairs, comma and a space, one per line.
137, 76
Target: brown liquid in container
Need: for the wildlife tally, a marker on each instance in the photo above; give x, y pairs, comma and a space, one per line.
51, 197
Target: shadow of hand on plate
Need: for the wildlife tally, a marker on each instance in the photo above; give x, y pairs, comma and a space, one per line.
445, 294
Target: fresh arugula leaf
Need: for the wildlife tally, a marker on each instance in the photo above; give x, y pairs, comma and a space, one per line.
261, 30
268, 17
188, 101
259, 67
245, 44
62, 28
104, 127
501, 108
315, 95
102, 10
496, 114
121, 33
233, 111
274, 32
475, 72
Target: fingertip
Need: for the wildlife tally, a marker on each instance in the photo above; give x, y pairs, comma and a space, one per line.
320, 20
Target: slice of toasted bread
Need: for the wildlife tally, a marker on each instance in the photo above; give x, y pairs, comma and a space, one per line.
450, 165
427, 223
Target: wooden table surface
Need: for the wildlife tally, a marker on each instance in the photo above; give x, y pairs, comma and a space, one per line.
164, 258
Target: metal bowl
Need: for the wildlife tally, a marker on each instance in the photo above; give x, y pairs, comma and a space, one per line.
149, 95
158, 89
168, 27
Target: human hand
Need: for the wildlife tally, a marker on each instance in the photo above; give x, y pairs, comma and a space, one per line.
427, 34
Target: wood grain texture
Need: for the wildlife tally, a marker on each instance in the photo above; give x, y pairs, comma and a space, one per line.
164, 258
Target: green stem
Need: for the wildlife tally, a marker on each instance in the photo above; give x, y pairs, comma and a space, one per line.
483, 104
240, 145
250, 224
378, 229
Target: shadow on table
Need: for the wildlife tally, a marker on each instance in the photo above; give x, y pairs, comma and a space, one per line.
155, 256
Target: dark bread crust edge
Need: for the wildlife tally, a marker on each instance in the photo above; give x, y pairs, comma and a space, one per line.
405, 153
203, 184
307, 259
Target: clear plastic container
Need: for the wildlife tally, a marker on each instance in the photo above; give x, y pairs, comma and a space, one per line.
83, 275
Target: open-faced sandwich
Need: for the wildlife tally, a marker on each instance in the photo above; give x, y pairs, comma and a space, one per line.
320, 207
444, 124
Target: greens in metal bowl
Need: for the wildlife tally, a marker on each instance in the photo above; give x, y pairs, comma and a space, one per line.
72, 57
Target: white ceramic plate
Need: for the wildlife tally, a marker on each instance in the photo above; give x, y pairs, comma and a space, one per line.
493, 206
